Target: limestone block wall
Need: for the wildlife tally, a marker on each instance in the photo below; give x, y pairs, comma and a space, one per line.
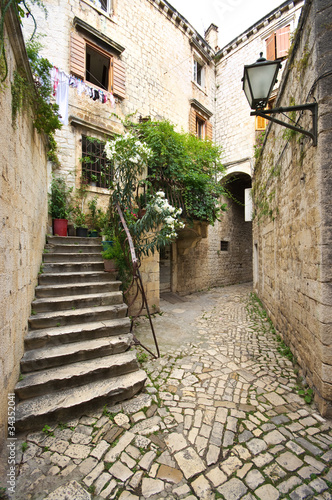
235, 128
23, 208
158, 60
292, 184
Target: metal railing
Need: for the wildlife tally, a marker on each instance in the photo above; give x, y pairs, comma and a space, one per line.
136, 285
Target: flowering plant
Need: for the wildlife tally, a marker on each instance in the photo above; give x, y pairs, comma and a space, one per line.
129, 156
160, 223
158, 227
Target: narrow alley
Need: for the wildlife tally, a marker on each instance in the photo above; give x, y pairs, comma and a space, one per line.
222, 416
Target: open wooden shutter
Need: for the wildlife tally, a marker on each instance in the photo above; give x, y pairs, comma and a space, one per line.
271, 48
192, 121
209, 130
282, 41
119, 78
77, 56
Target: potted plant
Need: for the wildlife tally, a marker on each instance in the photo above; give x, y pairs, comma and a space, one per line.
59, 205
79, 219
111, 256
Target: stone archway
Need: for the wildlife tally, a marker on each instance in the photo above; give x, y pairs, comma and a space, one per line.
235, 232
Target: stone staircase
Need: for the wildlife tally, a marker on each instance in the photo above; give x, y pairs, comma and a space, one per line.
76, 350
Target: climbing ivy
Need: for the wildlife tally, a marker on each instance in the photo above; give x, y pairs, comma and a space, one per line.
36, 96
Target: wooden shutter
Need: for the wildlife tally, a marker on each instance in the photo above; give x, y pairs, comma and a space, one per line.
282, 41
260, 123
209, 131
271, 48
77, 56
119, 78
192, 121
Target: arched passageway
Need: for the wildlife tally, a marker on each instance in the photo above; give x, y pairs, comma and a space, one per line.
235, 231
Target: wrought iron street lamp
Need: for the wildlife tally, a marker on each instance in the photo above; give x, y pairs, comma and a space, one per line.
258, 82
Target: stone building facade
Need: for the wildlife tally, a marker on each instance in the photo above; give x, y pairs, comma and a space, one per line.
163, 69
160, 68
292, 200
237, 131
23, 208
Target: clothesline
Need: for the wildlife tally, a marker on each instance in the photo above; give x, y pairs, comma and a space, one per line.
61, 82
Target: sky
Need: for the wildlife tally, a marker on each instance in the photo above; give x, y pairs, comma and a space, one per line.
231, 16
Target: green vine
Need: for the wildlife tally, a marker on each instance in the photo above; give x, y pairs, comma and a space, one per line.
36, 96
22, 10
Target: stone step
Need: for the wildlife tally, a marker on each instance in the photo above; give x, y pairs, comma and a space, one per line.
72, 257
73, 278
73, 267
75, 374
67, 403
73, 302
73, 317
44, 291
78, 248
36, 339
60, 355
72, 240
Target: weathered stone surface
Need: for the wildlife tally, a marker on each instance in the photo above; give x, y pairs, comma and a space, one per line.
151, 487
189, 462
169, 474
69, 490
233, 489
289, 461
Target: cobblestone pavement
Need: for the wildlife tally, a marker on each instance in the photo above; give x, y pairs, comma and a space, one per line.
220, 418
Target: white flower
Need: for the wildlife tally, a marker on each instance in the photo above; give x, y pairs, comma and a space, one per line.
169, 220
160, 194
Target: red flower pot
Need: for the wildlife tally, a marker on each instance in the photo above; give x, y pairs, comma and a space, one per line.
60, 227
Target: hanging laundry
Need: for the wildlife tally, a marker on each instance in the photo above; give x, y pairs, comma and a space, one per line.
62, 97
54, 80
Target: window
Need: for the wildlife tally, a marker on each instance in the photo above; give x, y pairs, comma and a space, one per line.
224, 246
105, 5
277, 45
96, 65
199, 123
199, 73
200, 127
95, 166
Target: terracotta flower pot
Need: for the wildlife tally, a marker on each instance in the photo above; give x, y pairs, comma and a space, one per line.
110, 266
60, 227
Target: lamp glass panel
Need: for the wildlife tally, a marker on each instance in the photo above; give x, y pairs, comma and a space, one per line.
247, 91
261, 79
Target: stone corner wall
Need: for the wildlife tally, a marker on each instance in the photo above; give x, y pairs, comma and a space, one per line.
292, 227
23, 208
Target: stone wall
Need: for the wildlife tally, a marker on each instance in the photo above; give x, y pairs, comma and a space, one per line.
292, 200
158, 59
23, 208
235, 129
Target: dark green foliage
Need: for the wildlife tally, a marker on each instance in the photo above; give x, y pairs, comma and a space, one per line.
59, 200
191, 166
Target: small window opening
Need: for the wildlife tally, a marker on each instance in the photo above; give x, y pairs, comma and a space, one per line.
97, 68
200, 127
198, 73
95, 166
224, 246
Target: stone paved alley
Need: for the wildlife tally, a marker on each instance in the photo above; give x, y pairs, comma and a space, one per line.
220, 418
